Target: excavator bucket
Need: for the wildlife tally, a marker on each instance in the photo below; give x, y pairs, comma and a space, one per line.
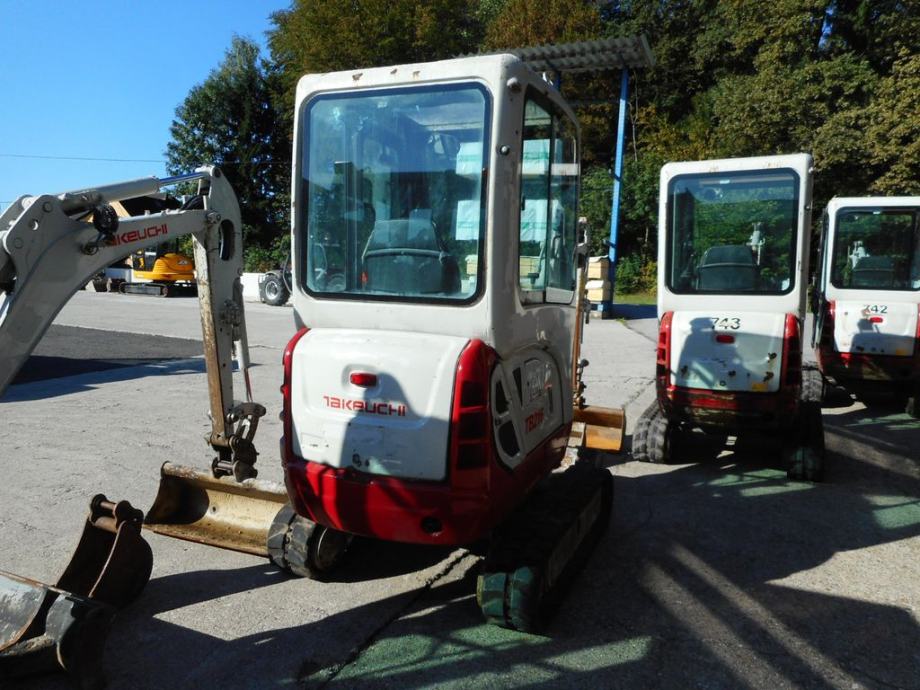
598, 428
194, 506
112, 562
45, 627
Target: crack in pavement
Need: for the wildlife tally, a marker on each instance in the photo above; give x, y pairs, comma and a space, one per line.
334, 670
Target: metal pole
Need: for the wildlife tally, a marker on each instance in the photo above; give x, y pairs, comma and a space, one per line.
607, 305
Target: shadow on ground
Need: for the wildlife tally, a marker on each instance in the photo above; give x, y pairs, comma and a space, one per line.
635, 311
700, 584
703, 581
93, 357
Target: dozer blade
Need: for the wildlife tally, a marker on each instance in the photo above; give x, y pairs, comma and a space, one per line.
194, 506
155, 289
603, 427
44, 627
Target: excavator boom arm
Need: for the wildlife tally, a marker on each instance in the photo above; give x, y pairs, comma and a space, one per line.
49, 250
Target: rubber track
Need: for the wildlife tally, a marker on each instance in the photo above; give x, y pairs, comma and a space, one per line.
658, 450
812, 384
806, 454
640, 433
511, 589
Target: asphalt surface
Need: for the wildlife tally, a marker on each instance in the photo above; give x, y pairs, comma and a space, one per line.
67, 351
715, 573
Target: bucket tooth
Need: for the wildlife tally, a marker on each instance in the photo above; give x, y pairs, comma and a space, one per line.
195, 506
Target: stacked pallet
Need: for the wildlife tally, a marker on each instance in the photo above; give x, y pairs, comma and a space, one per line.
598, 284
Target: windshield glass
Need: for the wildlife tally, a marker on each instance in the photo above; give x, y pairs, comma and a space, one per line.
733, 233
876, 249
393, 193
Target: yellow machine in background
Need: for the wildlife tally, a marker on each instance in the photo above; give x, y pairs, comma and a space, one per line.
168, 271
160, 269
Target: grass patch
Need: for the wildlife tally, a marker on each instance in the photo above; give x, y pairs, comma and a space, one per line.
636, 298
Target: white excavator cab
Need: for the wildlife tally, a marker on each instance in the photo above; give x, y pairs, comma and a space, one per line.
867, 294
409, 243
435, 265
732, 279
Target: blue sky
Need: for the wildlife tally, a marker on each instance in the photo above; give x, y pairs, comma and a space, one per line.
102, 79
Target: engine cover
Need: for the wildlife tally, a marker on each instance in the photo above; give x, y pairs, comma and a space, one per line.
399, 425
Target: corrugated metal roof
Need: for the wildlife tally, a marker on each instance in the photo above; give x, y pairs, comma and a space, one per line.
584, 56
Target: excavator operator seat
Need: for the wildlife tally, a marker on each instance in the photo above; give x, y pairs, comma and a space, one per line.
727, 268
874, 272
406, 256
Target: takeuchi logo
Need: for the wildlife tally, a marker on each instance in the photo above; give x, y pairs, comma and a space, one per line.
138, 235
385, 409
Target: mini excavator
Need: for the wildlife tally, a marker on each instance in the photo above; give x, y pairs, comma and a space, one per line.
433, 384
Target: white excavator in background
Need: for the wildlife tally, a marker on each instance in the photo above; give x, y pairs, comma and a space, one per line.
867, 297
733, 240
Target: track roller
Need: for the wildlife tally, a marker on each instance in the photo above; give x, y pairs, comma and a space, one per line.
804, 452
542, 546
303, 547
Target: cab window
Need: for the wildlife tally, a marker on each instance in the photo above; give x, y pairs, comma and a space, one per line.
548, 205
392, 196
733, 233
876, 249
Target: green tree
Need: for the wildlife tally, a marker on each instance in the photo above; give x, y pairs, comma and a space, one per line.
322, 36
893, 132
228, 120
638, 206
536, 22
879, 30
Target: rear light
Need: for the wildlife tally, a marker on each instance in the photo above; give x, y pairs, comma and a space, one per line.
875, 319
792, 353
470, 431
917, 337
826, 337
363, 379
287, 361
663, 354
725, 338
